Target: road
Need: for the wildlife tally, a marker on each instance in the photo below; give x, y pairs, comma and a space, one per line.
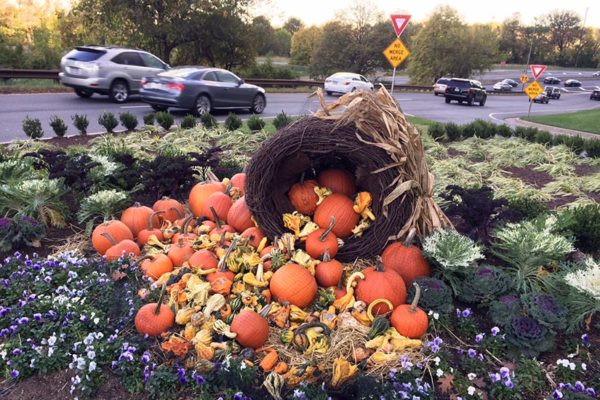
15, 107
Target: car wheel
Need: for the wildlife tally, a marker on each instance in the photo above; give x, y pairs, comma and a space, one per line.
85, 93
353, 89
470, 101
558, 97
329, 93
447, 100
435, 94
482, 102
157, 107
119, 91
258, 104
203, 105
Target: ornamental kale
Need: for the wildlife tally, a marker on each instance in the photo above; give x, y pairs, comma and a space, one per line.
435, 295
484, 285
528, 337
546, 310
504, 309
20, 231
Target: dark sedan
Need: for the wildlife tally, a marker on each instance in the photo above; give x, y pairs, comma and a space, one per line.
201, 90
551, 80
595, 95
572, 83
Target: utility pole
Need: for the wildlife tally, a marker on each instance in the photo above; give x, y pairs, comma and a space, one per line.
581, 38
531, 43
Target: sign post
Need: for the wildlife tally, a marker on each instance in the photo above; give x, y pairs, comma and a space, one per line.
396, 52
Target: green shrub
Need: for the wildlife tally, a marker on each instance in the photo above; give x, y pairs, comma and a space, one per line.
575, 143
592, 147
484, 129
453, 131
504, 130
81, 123
281, 120
149, 119
528, 207
520, 132
526, 133
268, 71
58, 126
543, 137
33, 128
437, 131
188, 122
255, 123
232, 122
128, 120
165, 119
108, 121
20, 231
484, 285
583, 223
208, 120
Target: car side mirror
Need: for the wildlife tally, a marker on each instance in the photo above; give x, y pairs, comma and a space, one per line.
167, 66
241, 82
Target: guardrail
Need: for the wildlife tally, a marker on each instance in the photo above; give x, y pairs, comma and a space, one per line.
29, 74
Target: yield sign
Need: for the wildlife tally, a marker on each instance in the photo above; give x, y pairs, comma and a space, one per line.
400, 22
537, 70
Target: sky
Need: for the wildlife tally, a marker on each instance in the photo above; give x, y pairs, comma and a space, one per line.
320, 11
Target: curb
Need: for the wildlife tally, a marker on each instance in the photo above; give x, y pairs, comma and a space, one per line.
553, 130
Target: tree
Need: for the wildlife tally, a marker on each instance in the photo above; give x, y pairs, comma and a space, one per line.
564, 30
513, 44
263, 33
293, 25
331, 52
304, 43
281, 42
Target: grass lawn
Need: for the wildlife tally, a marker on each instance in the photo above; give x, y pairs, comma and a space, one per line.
31, 86
586, 121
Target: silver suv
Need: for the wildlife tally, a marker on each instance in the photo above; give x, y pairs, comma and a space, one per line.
115, 71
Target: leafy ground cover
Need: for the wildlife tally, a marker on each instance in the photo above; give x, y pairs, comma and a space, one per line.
513, 302
586, 121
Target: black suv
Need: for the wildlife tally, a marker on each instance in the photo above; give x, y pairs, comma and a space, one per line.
595, 95
465, 90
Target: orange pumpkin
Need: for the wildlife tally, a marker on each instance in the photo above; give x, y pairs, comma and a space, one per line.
222, 269
339, 207
116, 229
293, 283
338, 180
203, 259
151, 229
328, 272
180, 252
303, 197
239, 216
136, 218
220, 228
321, 241
252, 330
185, 233
154, 318
406, 259
172, 208
220, 203
255, 236
126, 246
381, 283
409, 320
200, 193
156, 265
239, 181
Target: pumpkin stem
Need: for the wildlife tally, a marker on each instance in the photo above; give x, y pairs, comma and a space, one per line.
151, 219
302, 177
223, 262
326, 256
265, 310
410, 238
222, 239
186, 223
228, 189
178, 212
216, 217
413, 305
379, 264
110, 238
160, 299
340, 284
328, 230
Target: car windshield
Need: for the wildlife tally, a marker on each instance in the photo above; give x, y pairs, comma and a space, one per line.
85, 54
458, 83
179, 72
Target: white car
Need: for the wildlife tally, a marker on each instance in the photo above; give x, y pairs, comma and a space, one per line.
596, 73
346, 82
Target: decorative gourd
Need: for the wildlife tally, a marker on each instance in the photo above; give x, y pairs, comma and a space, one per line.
340, 207
126, 247
239, 215
200, 193
180, 253
381, 283
136, 218
156, 265
338, 180
251, 329
116, 229
172, 208
378, 327
293, 283
322, 240
255, 236
409, 320
239, 181
151, 229
406, 259
303, 197
218, 201
328, 272
154, 318
203, 259
222, 270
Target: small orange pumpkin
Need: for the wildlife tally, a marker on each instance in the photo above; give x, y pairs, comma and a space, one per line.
409, 320
203, 259
172, 208
126, 246
156, 265
329, 272
322, 240
406, 259
136, 218
116, 229
220, 228
381, 283
219, 202
254, 236
200, 193
239, 181
338, 180
293, 283
185, 233
251, 328
180, 252
239, 215
151, 229
339, 207
303, 197
154, 318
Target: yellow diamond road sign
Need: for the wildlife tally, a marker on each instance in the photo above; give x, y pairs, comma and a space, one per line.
396, 53
524, 78
533, 90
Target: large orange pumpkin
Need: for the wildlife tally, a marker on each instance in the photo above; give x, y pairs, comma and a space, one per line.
156, 265
239, 181
154, 318
124, 247
136, 218
220, 203
150, 229
252, 330
340, 208
381, 283
338, 180
172, 208
203, 259
321, 241
255, 236
200, 193
406, 259
293, 283
329, 272
239, 216
303, 197
180, 252
115, 228
409, 320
